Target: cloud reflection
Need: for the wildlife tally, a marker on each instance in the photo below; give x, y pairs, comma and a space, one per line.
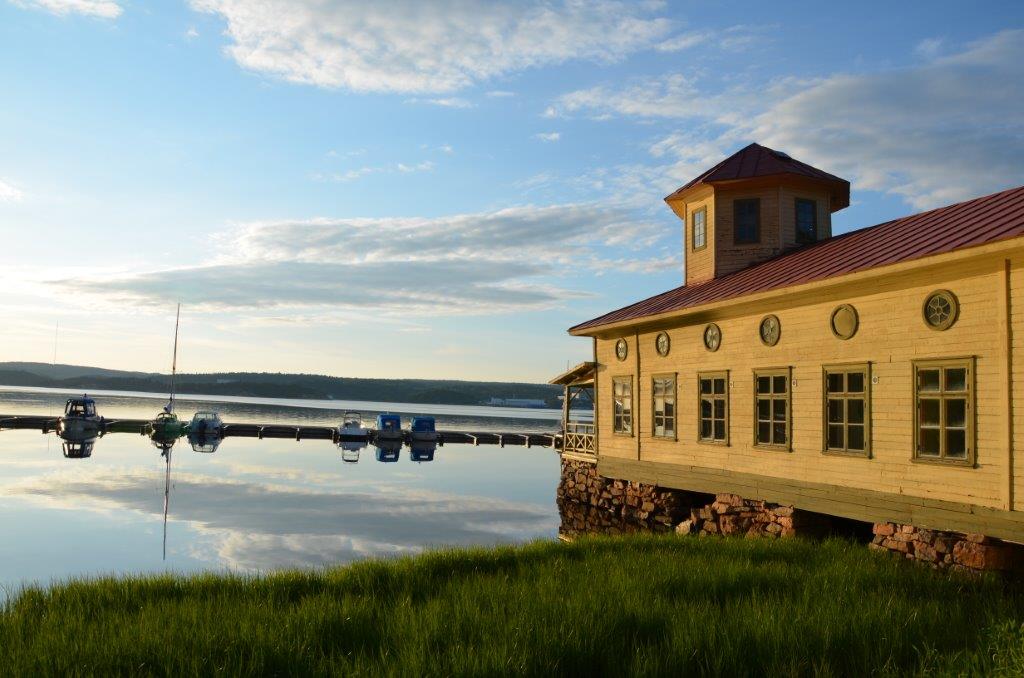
266, 526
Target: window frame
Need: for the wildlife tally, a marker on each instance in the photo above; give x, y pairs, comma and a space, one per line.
786, 372
674, 376
628, 380
720, 374
703, 211
796, 220
846, 368
970, 433
757, 222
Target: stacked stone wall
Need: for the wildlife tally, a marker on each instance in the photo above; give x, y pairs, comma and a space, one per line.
947, 550
623, 500
731, 514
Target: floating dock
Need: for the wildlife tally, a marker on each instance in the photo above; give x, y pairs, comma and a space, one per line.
47, 424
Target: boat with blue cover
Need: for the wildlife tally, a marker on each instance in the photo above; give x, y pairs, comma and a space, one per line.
389, 427
422, 429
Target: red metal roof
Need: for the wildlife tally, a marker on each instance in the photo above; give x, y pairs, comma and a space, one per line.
966, 224
756, 160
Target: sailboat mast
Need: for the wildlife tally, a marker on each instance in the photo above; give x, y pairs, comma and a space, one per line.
174, 359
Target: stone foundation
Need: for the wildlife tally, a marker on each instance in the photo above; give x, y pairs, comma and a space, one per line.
731, 514
947, 550
590, 503
618, 501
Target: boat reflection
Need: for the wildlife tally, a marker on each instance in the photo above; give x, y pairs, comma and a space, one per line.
207, 443
421, 451
78, 444
350, 451
388, 451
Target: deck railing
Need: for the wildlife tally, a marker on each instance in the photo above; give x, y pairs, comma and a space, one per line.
579, 437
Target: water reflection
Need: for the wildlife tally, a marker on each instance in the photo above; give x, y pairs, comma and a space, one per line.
388, 451
255, 504
77, 444
422, 451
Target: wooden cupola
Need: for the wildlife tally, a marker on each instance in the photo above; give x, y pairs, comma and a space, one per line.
752, 206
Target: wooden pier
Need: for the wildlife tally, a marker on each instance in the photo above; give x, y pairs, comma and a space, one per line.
47, 424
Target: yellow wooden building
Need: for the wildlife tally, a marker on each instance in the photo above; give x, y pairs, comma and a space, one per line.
870, 375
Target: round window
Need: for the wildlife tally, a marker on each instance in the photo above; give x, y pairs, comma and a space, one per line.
621, 349
771, 330
663, 343
941, 309
844, 321
712, 337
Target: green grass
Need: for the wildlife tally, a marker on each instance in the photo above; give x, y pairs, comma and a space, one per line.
642, 605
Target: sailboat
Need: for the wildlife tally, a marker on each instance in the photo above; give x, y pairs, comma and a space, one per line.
166, 427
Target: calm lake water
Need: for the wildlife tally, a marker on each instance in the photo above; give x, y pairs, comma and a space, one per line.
258, 505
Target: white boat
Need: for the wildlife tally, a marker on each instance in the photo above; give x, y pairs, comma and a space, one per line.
352, 425
208, 424
80, 418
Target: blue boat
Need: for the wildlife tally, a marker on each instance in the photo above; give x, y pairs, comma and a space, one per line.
389, 427
422, 429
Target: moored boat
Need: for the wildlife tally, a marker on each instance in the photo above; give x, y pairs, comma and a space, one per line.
207, 424
352, 425
389, 427
421, 429
79, 418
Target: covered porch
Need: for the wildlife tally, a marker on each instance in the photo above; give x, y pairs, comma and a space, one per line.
579, 421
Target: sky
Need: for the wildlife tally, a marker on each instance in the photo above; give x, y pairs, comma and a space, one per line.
440, 189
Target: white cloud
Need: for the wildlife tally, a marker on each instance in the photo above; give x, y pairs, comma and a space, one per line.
675, 95
500, 93
929, 48
191, 33
684, 41
408, 46
10, 193
480, 263
548, 136
934, 133
105, 9
444, 102
945, 131
360, 172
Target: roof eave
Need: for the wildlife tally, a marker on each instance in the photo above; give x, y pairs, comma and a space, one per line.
1006, 244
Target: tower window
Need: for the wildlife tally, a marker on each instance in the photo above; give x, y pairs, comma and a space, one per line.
699, 235
746, 214
806, 221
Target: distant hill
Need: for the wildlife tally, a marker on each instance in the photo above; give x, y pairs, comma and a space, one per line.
277, 385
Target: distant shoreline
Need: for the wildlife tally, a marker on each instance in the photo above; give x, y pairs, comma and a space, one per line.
310, 403
286, 386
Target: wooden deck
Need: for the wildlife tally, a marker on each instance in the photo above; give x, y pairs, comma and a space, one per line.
299, 432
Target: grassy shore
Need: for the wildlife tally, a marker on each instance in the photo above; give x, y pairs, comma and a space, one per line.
640, 605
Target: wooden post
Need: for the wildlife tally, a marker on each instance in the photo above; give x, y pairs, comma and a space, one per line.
1003, 302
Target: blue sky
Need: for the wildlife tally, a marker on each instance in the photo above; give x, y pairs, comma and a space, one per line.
440, 189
